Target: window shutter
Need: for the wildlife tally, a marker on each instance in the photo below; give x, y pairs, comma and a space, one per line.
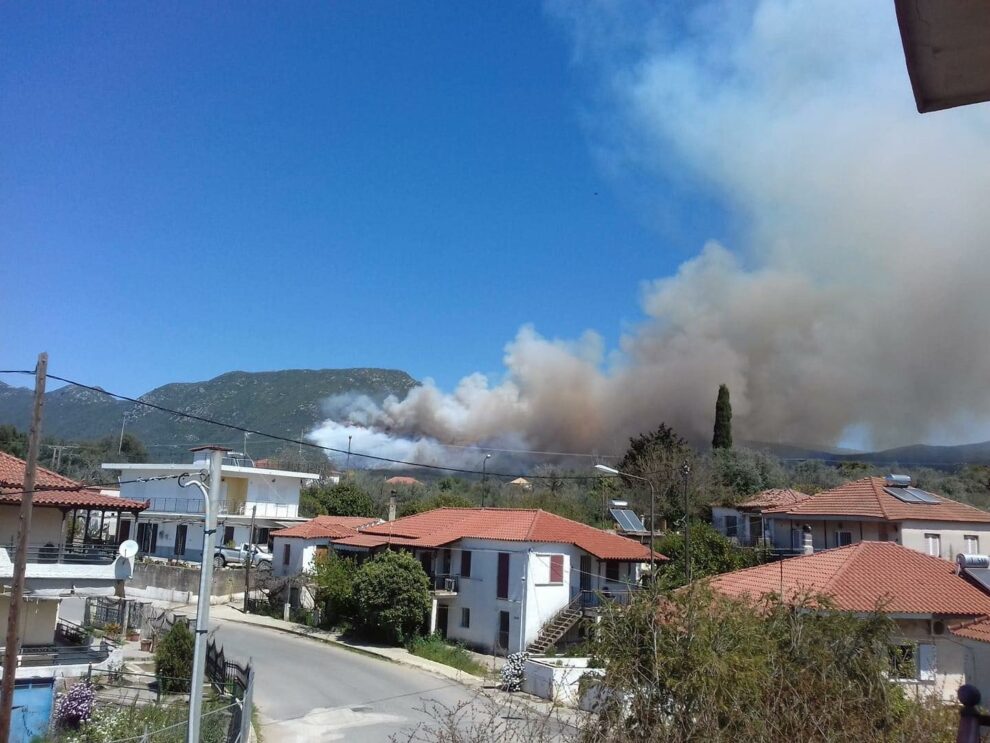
556, 568
926, 662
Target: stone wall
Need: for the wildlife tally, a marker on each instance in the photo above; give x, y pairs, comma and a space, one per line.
155, 580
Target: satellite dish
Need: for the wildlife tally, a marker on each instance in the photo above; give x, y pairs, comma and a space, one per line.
128, 549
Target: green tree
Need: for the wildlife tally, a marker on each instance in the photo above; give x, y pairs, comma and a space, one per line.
334, 578
722, 437
698, 666
13, 441
657, 456
343, 499
442, 499
742, 472
711, 554
392, 597
174, 659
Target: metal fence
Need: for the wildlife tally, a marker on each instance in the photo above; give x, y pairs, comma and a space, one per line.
102, 611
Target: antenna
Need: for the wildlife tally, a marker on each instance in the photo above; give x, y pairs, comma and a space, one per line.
128, 549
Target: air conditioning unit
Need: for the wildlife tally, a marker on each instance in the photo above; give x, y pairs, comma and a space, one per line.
936, 627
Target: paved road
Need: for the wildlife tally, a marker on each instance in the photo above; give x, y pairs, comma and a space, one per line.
311, 691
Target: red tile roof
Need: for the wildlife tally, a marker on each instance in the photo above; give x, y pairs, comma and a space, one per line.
402, 480
52, 490
862, 577
974, 629
445, 525
774, 498
326, 527
867, 498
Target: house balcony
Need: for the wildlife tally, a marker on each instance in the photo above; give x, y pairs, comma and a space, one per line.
87, 553
196, 506
444, 585
592, 601
71, 646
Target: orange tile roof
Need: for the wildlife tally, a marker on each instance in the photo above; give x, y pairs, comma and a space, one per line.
326, 527
52, 490
862, 577
773, 498
974, 629
402, 480
445, 525
867, 498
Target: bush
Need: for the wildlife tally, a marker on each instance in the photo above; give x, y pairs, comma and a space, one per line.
391, 597
174, 659
75, 706
334, 578
512, 671
437, 649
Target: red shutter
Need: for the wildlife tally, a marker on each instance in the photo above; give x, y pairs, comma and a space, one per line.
556, 568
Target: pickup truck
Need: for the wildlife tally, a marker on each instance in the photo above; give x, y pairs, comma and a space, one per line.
261, 558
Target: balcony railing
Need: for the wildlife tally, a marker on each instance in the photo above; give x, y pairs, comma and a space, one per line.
71, 554
444, 583
196, 506
597, 599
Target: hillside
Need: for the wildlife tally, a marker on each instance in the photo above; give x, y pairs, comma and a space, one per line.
282, 402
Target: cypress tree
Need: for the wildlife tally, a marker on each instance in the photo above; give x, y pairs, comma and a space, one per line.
722, 438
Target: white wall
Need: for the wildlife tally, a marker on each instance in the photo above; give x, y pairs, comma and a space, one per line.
951, 533
46, 525
301, 557
951, 659
557, 679
37, 619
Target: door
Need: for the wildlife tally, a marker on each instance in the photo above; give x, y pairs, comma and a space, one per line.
125, 530
147, 538
585, 573
180, 539
503, 631
502, 584
237, 488
443, 612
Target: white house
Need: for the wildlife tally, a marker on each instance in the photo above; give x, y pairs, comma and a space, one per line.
744, 522
499, 576
882, 509
296, 547
71, 551
173, 524
932, 606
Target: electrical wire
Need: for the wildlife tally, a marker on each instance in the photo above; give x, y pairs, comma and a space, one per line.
298, 442
80, 487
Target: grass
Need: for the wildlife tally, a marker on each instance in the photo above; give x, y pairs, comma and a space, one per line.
435, 648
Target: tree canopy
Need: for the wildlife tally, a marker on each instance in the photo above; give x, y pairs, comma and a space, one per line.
344, 499
722, 435
391, 597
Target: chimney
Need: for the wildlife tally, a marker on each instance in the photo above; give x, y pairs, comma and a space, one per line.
807, 544
391, 506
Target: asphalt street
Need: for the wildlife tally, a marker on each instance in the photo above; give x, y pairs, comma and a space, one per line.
310, 691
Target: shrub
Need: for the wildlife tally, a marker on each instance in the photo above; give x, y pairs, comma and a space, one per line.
75, 706
334, 578
174, 659
512, 671
392, 597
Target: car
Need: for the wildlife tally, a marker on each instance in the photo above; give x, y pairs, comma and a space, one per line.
261, 558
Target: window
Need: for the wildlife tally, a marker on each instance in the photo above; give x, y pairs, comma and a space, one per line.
466, 564
228, 534
972, 544
502, 578
934, 544
731, 526
287, 554
465, 617
612, 571
913, 662
556, 568
843, 538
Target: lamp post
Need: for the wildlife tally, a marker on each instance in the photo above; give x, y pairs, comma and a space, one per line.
653, 503
484, 478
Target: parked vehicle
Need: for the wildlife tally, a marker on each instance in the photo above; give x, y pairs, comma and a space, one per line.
261, 558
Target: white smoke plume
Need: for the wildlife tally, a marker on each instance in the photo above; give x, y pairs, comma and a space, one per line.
855, 295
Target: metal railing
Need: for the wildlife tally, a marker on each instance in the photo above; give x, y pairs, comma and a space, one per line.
96, 553
445, 582
194, 506
63, 655
596, 599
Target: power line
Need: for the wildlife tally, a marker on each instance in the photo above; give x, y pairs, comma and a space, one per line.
80, 487
299, 442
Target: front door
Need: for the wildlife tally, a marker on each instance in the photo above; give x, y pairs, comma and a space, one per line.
147, 538
503, 632
585, 572
443, 612
180, 539
125, 530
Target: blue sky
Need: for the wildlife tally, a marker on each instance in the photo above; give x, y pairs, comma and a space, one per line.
190, 189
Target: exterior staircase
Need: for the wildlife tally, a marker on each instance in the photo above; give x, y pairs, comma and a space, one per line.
557, 627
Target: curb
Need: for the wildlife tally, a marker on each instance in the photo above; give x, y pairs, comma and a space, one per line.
438, 669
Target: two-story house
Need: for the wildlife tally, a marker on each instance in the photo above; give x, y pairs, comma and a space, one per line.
172, 527
296, 548
504, 579
941, 618
70, 552
745, 523
885, 510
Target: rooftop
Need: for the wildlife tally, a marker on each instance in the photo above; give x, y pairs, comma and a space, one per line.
863, 577
52, 490
326, 527
445, 525
774, 498
868, 499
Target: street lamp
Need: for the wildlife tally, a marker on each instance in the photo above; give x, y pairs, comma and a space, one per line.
484, 478
653, 503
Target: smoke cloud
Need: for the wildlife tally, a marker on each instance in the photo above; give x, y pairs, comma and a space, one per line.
853, 302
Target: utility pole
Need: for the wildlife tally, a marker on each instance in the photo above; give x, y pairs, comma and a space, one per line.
484, 478
348, 467
686, 472
247, 563
120, 443
13, 642
212, 498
